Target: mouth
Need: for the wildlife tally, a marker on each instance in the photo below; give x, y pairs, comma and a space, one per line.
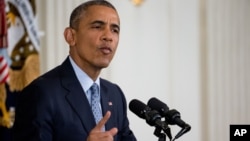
106, 50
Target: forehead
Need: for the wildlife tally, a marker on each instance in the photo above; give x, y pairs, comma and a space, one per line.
99, 12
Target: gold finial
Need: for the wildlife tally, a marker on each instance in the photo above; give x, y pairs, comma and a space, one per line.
137, 2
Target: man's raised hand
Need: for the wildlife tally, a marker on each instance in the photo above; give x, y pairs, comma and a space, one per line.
97, 133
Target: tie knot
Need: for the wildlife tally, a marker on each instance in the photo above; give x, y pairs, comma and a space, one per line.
94, 93
94, 90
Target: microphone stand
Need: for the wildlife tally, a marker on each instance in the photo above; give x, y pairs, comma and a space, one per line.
162, 135
163, 126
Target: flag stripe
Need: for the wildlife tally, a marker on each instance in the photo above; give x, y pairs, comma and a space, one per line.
4, 70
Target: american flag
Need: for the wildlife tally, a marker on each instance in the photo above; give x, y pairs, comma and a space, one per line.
3, 25
4, 70
110, 103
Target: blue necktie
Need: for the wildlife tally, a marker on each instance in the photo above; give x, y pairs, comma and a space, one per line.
95, 99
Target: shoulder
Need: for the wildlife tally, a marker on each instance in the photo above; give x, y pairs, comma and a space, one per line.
55, 75
109, 84
112, 89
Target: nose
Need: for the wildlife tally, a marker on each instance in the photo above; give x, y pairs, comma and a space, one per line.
107, 35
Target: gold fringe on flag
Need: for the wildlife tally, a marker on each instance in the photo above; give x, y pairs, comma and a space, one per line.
21, 78
5, 119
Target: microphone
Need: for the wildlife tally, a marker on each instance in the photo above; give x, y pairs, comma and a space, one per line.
172, 116
143, 111
158, 105
152, 117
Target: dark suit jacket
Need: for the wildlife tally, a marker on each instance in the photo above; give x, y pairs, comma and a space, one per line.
54, 108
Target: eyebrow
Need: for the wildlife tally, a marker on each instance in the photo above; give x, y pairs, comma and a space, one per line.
103, 23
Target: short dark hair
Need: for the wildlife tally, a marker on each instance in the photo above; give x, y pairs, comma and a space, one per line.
79, 10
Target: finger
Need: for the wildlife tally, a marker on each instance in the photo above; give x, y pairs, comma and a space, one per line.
113, 131
103, 121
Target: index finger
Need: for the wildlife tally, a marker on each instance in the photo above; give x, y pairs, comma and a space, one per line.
103, 121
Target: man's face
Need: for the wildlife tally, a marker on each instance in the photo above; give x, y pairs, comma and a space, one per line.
96, 38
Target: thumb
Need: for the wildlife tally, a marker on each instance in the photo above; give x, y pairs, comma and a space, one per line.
113, 131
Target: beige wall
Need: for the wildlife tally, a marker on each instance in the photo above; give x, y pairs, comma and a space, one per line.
192, 54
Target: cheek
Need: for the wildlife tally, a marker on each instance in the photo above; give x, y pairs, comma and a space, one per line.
116, 46
116, 41
86, 43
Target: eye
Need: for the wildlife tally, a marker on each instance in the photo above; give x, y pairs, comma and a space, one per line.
96, 26
116, 30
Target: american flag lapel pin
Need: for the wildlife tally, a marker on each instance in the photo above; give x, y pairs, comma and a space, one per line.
110, 103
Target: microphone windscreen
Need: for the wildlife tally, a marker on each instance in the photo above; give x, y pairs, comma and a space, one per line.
158, 105
137, 107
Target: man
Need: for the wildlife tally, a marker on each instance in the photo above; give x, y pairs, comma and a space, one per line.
58, 105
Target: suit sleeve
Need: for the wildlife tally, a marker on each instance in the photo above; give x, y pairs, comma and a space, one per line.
124, 133
33, 120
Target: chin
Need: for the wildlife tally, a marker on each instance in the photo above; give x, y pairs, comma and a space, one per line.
103, 65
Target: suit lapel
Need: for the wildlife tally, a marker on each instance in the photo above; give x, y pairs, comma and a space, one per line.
107, 105
76, 96
80, 105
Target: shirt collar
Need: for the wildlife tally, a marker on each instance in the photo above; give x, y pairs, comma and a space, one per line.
85, 81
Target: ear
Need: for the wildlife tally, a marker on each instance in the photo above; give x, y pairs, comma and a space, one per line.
69, 36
